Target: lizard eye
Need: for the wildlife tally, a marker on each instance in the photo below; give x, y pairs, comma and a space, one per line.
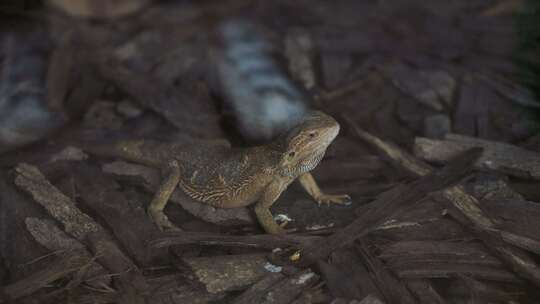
291, 154
312, 134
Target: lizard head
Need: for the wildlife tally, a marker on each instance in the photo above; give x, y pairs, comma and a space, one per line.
304, 146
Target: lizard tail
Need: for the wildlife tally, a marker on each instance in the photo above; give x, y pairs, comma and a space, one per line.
137, 150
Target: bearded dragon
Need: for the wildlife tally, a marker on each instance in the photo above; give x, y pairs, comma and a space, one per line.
227, 177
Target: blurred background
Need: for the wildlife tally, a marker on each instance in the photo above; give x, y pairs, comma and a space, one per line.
401, 68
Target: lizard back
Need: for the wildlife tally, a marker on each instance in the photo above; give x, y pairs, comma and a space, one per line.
215, 174
224, 177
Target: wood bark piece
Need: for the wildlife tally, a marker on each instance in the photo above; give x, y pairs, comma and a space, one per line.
89, 87
424, 291
390, 203
65, 265
187, 109
429, 229
166, 289
468, 206
99, 8
53, 238
289, 288
85, 229
127, 221
392, 289
503, 157
485, 292
471, 115
515, 92
401, 253
371, 299
21, 254
263, 241
498, 241
259, 289
516, 220
229, 272
430, 88
61, 207
346, 276
446, 270
486, 187
58, 77
175, 289
151, 178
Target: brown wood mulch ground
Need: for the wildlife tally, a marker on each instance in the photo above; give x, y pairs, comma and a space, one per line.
439, 150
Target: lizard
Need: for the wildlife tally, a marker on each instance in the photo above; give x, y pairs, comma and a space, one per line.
226, 177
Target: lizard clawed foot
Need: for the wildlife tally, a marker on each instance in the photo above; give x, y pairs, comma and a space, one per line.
162, 221
276, 228
282, 221
279, 229
341, 199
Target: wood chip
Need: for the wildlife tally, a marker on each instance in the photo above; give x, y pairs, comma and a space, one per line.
99, 8
508, 159
57, 204
259, 289
85, 229
346, 276
263, 241
50, 236
289, 288
230, 272
393, 290
468, 206
398, 198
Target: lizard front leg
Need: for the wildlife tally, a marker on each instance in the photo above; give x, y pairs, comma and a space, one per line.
168, 184
262, 208
310, 185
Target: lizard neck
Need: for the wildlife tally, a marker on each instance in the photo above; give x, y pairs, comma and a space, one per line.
266, 157
276, 149
303, 166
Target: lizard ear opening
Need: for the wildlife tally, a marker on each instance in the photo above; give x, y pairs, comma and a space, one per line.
291, 154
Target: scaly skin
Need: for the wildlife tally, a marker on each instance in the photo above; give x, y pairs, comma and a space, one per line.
236, 177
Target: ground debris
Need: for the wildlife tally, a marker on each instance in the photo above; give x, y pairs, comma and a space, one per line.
57, 204
412, 84
281, 291
391, 288
399, 198
265, 241
49, 235
506, 158
226, 273
83, 228
469, 208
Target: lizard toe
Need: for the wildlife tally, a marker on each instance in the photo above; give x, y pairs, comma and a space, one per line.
162, 221
340, 199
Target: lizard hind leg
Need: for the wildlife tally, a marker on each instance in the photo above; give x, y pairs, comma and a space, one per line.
162, 195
